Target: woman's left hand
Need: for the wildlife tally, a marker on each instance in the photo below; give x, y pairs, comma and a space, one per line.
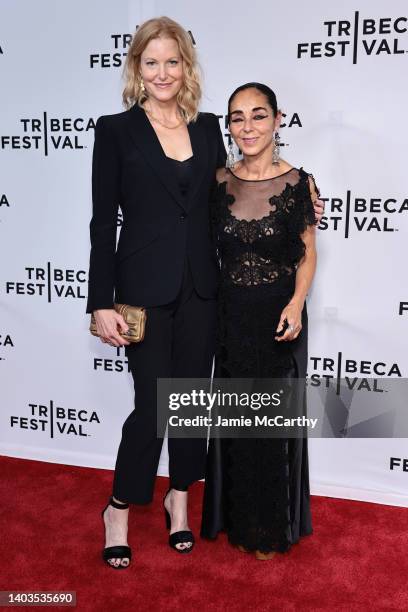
293, 314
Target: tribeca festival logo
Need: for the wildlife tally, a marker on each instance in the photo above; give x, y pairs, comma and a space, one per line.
50, 282
6, 343
108, 364
357, 375
116, 57
49, 134
345, 387
358, 37
55, 420
352, 213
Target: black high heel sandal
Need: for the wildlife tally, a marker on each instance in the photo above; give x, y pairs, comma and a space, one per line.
179, 537
116, 552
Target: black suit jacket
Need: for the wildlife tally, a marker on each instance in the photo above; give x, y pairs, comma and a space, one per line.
130, 170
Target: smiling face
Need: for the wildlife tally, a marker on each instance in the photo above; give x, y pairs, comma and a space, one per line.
252, 122
161, 67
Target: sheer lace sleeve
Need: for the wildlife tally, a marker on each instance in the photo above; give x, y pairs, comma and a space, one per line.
309, 193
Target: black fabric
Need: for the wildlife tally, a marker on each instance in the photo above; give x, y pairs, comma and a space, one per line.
115, 504
180, 537
257, 490
164, 260
258, 227
160, 226
177, 486
117, 552
184, 174
179, 342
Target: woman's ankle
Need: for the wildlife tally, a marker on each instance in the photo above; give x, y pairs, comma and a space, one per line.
118, 501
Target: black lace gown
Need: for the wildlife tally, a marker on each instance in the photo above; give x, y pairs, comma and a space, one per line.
257, 490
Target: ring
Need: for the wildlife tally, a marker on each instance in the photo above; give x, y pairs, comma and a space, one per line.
290, 328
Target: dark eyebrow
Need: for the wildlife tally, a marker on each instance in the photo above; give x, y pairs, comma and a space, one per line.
257, 108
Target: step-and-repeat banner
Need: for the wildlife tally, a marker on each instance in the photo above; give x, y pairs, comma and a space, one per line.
339, 75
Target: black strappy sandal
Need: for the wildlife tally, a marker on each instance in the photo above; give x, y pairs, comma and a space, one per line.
116, 552
179, 537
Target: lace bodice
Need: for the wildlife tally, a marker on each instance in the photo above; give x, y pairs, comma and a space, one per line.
258, 225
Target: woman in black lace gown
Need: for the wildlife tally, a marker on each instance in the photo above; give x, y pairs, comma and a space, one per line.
257, 490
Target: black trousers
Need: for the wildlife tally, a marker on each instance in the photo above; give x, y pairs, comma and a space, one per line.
179, 342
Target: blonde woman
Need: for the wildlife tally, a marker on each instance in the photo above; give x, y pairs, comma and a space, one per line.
156, 161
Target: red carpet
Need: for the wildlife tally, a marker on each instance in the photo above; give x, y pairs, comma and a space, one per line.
51, 536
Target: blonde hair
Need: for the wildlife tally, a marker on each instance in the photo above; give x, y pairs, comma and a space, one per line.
189, 95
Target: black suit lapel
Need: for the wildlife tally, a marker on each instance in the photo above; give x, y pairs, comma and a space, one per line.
149, 145
199, 145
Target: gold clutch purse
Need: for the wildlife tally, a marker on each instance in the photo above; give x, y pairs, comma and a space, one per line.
135, 317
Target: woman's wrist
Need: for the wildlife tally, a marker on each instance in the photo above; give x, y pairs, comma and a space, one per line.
297, 301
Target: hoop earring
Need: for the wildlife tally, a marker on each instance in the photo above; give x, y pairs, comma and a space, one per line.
276, 149
230, 163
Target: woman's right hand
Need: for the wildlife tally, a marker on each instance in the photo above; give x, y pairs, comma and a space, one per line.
107, 323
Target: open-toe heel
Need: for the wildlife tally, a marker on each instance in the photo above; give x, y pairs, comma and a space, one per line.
116, 552
179, 537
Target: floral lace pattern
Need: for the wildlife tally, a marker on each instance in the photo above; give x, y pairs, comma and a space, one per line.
263, 249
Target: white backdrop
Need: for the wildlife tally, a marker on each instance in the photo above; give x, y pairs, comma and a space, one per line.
64, 395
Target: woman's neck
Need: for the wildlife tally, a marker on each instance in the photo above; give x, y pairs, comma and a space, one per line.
258, 167
166, 111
